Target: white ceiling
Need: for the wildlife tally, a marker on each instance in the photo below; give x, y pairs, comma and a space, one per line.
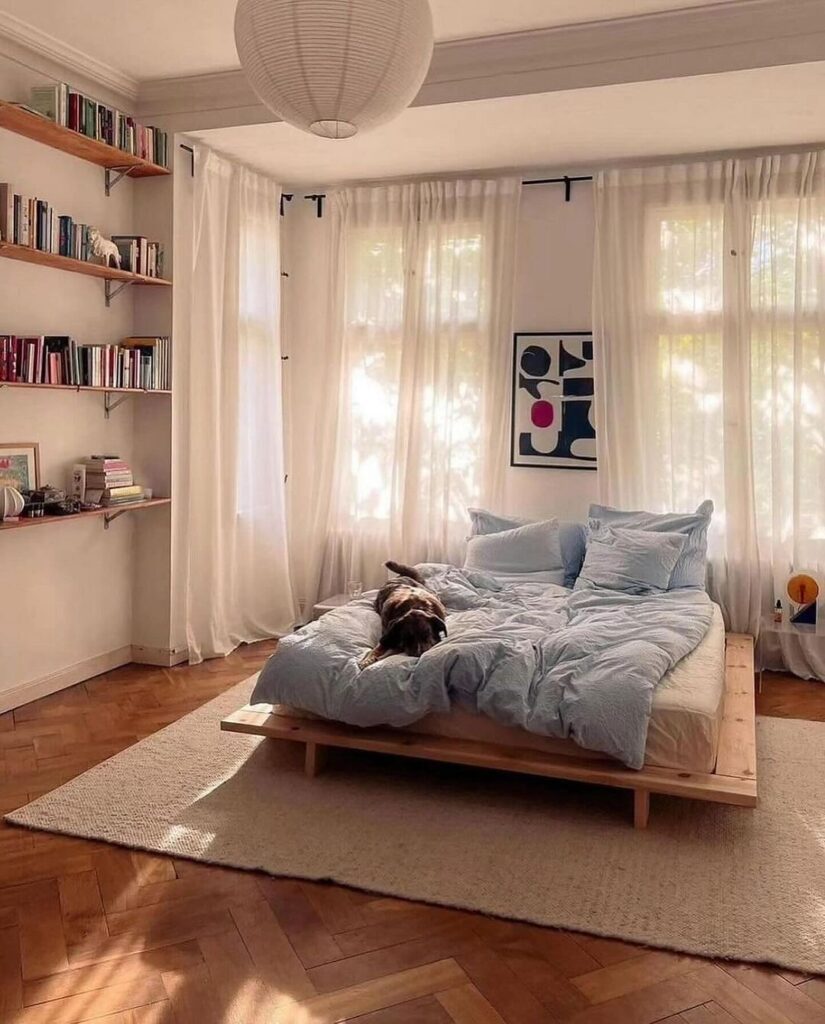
581, 128
167, 38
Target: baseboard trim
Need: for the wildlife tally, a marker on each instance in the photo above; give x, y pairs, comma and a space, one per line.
161, 656
25, 693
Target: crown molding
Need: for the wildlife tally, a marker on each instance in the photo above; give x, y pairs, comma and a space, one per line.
667, 44
723, 37
28, 45
670, 44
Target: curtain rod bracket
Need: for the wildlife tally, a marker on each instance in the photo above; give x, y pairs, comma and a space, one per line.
191, 153
318, 198
286, 197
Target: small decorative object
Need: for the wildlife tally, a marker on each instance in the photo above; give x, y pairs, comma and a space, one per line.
19, 466
46, 494
335, 67
104, 249
11, 503
68, 507
78, 488
777, 612
803, 590
355, 588
552, 417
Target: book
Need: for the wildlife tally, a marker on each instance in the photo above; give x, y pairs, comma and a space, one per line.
129, 499
107, 482
122, 492
6, 212
45, 100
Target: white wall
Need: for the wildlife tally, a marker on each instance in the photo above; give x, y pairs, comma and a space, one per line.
554, 276
153, 439
68, 588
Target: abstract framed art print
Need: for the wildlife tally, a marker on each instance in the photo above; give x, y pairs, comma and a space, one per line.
553, 419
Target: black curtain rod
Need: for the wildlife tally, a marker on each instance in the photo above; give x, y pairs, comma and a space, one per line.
567, 180
318, 197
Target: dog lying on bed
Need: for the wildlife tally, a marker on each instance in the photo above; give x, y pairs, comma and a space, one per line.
412, 617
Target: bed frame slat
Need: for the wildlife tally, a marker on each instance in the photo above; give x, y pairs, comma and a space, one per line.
736, 753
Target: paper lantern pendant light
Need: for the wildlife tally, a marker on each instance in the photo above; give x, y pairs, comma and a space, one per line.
335, 67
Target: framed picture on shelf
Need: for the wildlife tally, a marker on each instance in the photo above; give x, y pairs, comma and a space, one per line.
20, 466
552, 423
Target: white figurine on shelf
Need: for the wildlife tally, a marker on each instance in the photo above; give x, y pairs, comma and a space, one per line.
11, 504
104, 248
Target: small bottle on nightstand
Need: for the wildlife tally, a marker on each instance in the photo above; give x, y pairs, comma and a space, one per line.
777, 612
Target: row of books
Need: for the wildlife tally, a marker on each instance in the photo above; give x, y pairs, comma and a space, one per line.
33, 222
139, 255
138, 362
88, 116
105, 480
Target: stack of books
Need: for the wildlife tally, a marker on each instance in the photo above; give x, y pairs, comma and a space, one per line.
138, 362
109, 482
89, 117
33, 222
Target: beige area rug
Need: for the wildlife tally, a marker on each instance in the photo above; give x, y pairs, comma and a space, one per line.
706, 879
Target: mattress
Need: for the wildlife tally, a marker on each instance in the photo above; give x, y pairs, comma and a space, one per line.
684, 726
684, 723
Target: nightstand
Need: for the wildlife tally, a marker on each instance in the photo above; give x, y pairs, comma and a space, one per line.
788, 628
328, 604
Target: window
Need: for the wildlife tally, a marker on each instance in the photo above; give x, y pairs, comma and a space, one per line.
416, 340
783, 293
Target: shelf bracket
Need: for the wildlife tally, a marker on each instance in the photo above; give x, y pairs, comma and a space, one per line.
110, 517
112, 292
110, 404
114, 175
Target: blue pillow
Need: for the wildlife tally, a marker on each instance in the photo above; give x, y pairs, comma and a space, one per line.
572, 536
691, 568
630, 561
526, 552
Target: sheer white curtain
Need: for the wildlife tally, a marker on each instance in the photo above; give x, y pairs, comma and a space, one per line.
415, 373
230, 535
709, 310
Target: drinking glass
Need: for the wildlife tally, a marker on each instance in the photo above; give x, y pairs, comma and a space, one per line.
355, 588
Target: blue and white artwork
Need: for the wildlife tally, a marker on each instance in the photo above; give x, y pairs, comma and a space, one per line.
553, 421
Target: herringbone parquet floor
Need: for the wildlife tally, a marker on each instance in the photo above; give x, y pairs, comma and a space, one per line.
91, 932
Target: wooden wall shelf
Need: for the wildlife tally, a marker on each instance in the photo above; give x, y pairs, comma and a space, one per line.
108, 514
26, 254
41, 129
84, 387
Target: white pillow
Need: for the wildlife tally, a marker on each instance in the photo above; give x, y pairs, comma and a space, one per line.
531, 552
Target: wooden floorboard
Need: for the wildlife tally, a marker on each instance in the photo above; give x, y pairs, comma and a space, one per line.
89, 931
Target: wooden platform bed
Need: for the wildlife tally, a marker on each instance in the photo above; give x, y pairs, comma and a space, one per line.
733, 781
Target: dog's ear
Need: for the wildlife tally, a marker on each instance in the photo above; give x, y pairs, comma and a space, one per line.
438, 626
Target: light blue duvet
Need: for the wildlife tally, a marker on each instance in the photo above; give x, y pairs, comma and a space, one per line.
570, 664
